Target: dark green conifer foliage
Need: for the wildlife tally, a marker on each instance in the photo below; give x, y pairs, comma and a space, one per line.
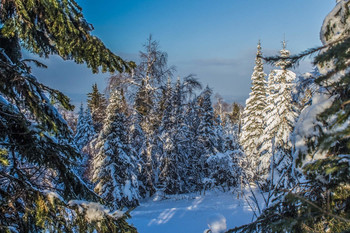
97, 104
174, 134
36, 152
144, 100
207, 137
57, 27
236, 113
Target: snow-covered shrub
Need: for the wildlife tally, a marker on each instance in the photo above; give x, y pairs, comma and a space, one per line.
223, 170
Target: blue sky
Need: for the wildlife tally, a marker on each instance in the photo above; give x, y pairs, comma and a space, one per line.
214, 39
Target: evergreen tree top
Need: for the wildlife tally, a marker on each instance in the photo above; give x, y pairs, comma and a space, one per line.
204, 99
258, 69
95, 98
178, 90
207, 92
115, 105
258, 53
285, 54
252, 122
81, 111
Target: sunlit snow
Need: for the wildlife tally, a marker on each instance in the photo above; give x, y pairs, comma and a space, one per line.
191, 213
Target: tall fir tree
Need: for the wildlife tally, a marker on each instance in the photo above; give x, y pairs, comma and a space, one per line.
253, 114
97, 104
235, 115
207, 137
195, 173
281, 114
206, 133
173, 162
114, 171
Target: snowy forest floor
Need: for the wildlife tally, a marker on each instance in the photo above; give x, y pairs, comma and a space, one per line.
191, 213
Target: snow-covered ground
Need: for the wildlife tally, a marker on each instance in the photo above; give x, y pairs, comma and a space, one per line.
191, 213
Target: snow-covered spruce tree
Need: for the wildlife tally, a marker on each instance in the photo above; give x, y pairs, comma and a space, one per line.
253, 117
194, 149
173, 164
206, 131
39, 189
235, 115
280, 116
206, 138
97, 104
114, 172
85, 131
